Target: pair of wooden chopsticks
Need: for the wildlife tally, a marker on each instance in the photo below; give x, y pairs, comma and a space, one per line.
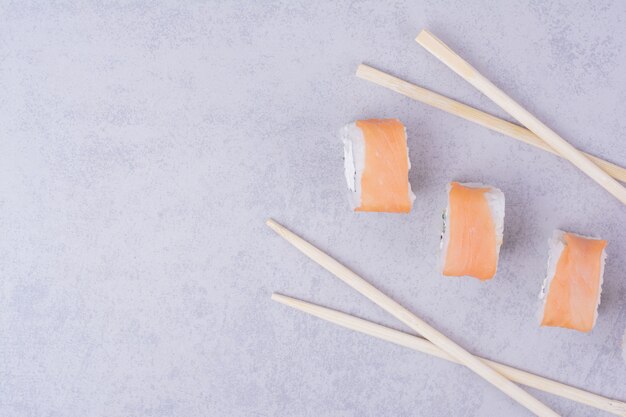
537, 134
499, 375
424, 346
473, 115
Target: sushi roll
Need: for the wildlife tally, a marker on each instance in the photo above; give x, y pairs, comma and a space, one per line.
376, 162
473, 225
573, 284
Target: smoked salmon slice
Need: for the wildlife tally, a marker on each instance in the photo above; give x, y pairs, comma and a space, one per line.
377, 166
473, 229
574, 281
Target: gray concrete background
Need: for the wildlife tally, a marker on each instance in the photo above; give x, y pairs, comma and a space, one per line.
142, 146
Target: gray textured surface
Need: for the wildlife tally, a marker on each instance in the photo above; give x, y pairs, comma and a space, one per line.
142, 146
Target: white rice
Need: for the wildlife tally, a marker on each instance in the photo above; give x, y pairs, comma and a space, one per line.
354, 161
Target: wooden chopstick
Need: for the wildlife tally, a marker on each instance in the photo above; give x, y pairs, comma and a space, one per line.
422, 345
446, 55
414, 322
473, 115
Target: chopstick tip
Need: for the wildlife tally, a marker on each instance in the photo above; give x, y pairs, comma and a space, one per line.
279, 298
275, 226
424, 33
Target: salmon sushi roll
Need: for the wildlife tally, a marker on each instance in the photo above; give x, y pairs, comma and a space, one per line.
376, 162
473, 227
573, 284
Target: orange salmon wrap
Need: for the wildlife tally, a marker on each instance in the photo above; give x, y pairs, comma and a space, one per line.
473, 231
573, 284
376, 164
